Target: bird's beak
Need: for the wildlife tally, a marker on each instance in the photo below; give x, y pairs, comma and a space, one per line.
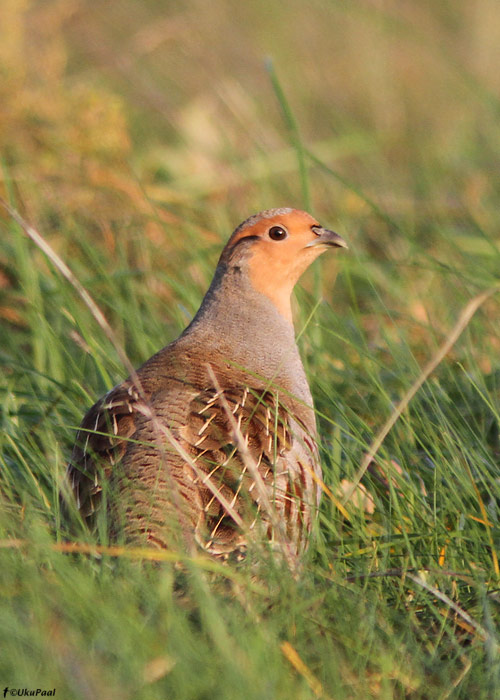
326, 237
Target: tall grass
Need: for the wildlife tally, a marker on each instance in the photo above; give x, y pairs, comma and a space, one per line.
134, 140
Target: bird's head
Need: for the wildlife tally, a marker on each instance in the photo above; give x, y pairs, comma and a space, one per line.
274, 248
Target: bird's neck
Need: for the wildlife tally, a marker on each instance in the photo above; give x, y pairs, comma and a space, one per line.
244, 327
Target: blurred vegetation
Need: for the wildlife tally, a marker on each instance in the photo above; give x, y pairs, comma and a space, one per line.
135, 137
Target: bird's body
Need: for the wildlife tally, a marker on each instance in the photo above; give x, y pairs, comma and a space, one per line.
214, 437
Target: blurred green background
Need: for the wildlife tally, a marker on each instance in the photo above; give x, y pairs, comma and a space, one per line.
159, 120
135, 136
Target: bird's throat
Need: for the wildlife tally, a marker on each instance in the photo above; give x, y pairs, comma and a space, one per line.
251, 328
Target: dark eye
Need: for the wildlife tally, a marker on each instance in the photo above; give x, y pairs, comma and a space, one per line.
277, 233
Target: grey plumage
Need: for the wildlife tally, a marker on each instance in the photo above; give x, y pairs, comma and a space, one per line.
177, 445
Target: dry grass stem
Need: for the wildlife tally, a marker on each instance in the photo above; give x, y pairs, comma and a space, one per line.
463, 320
485, 635
293, 657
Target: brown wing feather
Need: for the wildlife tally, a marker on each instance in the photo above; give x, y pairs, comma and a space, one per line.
265, 425
100, 443
156, 487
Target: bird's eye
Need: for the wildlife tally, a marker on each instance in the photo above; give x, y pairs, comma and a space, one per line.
277, 233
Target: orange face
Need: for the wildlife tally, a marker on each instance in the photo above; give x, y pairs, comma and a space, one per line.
286, 242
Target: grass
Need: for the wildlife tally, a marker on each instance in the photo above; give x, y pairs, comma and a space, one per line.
397, 147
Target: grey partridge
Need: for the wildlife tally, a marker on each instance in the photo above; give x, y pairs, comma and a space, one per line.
213, 439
